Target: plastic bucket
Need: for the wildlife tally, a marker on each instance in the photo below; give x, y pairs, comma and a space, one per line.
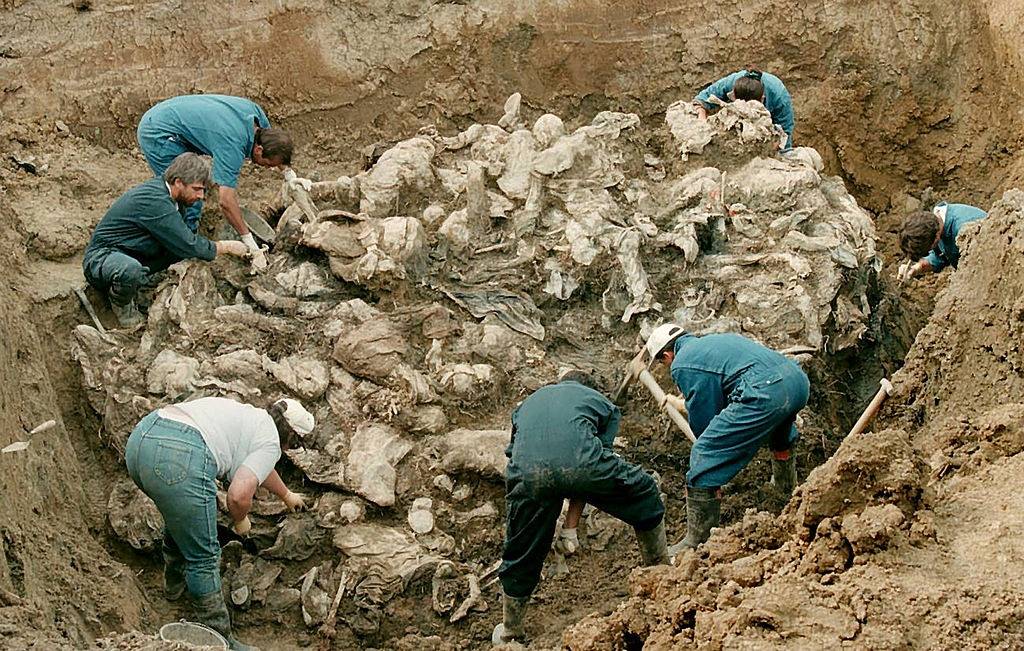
192, 633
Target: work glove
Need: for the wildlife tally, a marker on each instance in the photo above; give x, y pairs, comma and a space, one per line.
234, 248
259, 257
567, 542
636, 365
903, 273
242, 527
296, 181
676, 401
294, 501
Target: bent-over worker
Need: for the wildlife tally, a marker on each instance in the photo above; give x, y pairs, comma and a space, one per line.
144, 232
929, 237
175, 456
561, 448
231, 130
751, 84
739, 395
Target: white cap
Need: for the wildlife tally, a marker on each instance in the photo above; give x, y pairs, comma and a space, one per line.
662, 336
298, 417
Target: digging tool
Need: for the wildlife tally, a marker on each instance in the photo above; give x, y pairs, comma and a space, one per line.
84, 300
637, 370
872, 410
259, 227
18, 446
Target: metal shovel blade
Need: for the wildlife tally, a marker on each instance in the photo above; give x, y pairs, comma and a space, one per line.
259, 227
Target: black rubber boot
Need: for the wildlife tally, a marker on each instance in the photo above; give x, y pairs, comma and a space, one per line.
784, 475
212, 611
511, 629
703, 513
653, 545
128, 315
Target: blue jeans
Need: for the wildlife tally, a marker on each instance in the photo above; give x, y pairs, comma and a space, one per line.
116, 273
763, 411
160, 151
169, 462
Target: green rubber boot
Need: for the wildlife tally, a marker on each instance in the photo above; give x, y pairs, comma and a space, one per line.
212, 611
703, 513
653, 545
511, 629
784, 475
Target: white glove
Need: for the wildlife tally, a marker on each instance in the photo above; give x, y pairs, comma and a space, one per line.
294, 501
676, 401
242, 527
295, 180
568, 543
903, 273
259, 258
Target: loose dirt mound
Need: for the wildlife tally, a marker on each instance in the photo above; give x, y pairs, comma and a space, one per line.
902, 539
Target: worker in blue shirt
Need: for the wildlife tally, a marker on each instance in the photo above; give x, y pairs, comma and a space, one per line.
739, 395
751, 84
145, 232
929, 237
231, 130
561, 448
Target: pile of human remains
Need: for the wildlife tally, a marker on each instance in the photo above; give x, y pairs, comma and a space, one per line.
410, 306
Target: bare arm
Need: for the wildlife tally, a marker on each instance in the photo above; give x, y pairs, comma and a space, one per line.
572, 516
228, 199
240, 492
275, 484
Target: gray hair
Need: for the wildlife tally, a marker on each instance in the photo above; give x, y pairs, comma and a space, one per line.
190, 168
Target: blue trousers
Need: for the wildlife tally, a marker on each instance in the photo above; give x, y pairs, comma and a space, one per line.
763, 411
118, 274
534, 502
169, 462
160, 151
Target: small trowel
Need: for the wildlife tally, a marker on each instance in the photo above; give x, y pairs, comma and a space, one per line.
259, 226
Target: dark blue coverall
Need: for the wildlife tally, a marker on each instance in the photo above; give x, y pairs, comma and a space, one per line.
739, 395
562, 448
142, 233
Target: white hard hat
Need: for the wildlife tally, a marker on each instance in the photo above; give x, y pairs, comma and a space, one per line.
662, 336
298, 417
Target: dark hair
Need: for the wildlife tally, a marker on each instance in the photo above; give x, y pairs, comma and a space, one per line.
276, 143
285, 434
749, 86
585, 378
917, 235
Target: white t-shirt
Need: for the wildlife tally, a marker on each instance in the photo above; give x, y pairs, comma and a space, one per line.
236, 434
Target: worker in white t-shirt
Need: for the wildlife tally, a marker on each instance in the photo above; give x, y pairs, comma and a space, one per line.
176, 454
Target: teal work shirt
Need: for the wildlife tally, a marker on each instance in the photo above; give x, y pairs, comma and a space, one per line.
776, 99
220, 126
148, 225
564, 425
709, 369
946, 252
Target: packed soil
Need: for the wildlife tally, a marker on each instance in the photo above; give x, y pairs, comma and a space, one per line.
902, 538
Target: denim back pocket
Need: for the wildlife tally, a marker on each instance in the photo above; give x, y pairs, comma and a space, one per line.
172, 461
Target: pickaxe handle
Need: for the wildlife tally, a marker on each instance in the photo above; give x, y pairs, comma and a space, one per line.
872, 410
659, 396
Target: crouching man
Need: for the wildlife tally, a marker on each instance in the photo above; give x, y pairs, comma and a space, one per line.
175, 456
144, 232
739, 396
561, 449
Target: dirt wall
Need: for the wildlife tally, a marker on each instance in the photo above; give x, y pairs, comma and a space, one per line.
891, 103
54, 576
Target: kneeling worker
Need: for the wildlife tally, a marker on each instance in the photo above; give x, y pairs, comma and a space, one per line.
929, 237
561, 448
739, 395
145, 232
175, 456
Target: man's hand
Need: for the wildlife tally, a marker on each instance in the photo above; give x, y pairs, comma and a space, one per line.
675, 401
259, 261
296, 181
242, 527
294, 501
636, 365
702, 112
905, 272
232, 247
567, 542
